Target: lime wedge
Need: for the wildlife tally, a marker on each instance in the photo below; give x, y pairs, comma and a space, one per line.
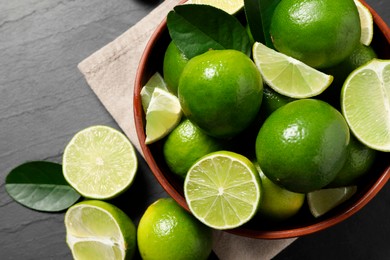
366, 23
222, 190
365, 103
99, 162
322, 201
99, 230
163, 114
229, 6
156, 81
288, 76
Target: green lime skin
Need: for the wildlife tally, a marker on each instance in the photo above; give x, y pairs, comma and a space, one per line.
303, 145
186, 144
167, 231
320, 33
221, 92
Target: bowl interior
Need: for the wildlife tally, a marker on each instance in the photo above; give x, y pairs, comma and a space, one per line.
301, 224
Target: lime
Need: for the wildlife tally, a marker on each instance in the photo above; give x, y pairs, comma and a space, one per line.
272, 100
167, 231
99, 162
229, 6
156, 81
277, 203
322, 201
162, 115
99, 230
366, 23
287, 75
303, 145
186, 144
359, 160
222, 190
174, 63
365, 103
221, 92
320, 33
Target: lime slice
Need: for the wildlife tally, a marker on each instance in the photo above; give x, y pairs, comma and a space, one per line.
288, 76
99, 230
365, 103
229, 6
222, 190
322, 201
99, 162
156, 81
366, 23
163, 114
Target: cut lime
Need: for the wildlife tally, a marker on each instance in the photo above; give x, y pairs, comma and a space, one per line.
163, 114
287, 75
322, 201
365, 102
366, 23
99, 230
222, 190
99, 162
229, 6
156, 81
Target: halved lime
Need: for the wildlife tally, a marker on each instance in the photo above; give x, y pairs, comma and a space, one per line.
99, 162
322, 201
229, 6
222, 190
163, 114
366, 23
156, 81
365, 103
288, 76
99, 230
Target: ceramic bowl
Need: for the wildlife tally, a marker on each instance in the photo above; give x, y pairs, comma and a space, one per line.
301, 224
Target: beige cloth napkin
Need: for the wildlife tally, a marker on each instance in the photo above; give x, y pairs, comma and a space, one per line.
110, 72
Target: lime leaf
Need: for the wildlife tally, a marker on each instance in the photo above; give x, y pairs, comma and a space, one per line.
194, 35
40, 186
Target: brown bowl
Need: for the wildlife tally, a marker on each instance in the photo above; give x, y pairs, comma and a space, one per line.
301, 224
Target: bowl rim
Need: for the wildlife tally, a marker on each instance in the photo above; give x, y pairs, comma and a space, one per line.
242, 231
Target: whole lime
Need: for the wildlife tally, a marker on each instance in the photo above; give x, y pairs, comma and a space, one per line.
320, 33
167, 231
174, 63
221, 92
186, 144
303, 145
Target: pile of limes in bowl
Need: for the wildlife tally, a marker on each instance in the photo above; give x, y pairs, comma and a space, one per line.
254, 135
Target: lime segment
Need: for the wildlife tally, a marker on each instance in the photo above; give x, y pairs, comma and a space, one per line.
229, 6
287, 75
366, 23
99, 162
222, 190
156, 81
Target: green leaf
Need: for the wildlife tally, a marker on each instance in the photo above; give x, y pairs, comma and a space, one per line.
41, 186
197, 28
259, 14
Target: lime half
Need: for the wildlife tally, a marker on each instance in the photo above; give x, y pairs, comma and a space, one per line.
288, 76
229, 6
222, 190
99, 162
366, 23
365, 103
99, 230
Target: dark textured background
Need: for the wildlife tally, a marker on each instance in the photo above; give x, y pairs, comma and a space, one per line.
44, 101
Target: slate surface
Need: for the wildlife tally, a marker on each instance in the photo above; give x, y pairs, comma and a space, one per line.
44, 100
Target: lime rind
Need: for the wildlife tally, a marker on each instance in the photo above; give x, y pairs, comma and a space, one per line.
366, 23
229, 6
289, 76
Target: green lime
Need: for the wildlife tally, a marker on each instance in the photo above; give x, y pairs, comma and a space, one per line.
99, 230
289, 76
186, 144
221, 92
322, 201
174, 63
167, 231
303, 145
155, 81
223, 190
272, 100
231, 6
365, 103
366, 23
320, 33
99, 162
